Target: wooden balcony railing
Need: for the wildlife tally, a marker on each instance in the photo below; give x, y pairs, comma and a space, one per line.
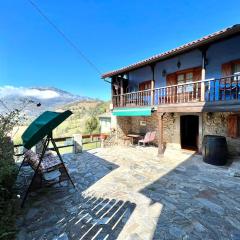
210, 90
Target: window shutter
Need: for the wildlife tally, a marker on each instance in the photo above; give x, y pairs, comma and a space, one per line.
145, 85
232, 126
226, 69
171, 79
197, 74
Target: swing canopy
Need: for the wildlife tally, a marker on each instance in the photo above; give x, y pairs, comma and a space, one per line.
43, 126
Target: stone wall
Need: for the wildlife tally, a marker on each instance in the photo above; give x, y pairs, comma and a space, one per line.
123, 127
216, 124
126, 125
151, 125
169, 128
209, 123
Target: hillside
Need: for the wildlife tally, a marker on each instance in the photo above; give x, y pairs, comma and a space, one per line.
49, 98
82, 110
55, 100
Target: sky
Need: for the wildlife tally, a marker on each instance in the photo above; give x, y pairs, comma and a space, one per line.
111, 33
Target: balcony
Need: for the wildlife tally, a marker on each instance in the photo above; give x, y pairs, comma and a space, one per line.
220, 90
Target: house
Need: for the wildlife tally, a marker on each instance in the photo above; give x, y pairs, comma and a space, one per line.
183, 94
105, 122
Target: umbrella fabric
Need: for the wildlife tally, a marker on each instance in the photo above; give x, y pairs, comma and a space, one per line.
43, 126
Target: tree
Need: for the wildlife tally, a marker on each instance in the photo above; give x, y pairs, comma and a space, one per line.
91, 124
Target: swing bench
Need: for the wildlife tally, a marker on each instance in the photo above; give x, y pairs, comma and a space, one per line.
46, 166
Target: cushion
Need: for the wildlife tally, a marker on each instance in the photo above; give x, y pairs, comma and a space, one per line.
48, 161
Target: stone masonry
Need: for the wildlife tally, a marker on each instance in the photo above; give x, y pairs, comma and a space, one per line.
209, 123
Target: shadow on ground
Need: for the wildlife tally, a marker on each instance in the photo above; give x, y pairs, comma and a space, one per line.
60, 211
199, 201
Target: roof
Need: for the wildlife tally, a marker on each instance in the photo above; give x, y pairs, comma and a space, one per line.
227, 32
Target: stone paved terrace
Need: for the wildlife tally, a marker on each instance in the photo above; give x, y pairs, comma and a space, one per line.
129, 193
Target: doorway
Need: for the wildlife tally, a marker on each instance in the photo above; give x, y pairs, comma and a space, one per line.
189, 127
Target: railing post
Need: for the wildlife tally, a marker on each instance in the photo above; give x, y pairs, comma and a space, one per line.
77, 143
202, 91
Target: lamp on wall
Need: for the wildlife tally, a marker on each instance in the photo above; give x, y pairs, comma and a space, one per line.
178, 64
210, 115
164, 72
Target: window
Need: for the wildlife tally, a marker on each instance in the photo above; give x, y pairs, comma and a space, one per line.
231, 68
145, 85
185, 78
236, 70
180, 78
189, 77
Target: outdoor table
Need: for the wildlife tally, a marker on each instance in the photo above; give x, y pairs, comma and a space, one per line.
134, 136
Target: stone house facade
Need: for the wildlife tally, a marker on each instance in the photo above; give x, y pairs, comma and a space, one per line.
183, 94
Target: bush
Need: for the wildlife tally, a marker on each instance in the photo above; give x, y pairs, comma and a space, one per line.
8, 173
91, 124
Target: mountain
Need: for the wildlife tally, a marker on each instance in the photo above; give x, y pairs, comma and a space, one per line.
50, 98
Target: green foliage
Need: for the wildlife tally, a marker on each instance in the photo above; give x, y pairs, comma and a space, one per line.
92, 124
8, 172
82, 111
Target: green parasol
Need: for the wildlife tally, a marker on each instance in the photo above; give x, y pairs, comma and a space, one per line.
43, 126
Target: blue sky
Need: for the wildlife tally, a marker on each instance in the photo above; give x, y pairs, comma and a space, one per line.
111, 33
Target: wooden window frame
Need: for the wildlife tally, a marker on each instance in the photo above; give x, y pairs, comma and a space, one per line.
185, 71
144, 83
231, 63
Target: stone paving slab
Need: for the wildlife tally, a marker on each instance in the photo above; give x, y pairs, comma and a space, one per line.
131, 193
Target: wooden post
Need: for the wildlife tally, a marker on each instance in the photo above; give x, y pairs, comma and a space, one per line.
152, 84
160, 140
203, 77
152, 92
121, 92
77, 142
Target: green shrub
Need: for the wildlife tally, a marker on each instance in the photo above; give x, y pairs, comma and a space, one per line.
8, 173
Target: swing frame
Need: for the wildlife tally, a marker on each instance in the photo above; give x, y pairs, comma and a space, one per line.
37, 171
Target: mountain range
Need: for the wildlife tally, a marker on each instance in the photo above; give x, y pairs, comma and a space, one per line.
35, 100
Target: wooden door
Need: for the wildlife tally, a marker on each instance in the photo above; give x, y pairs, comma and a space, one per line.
232, 126
145, 97
171, 93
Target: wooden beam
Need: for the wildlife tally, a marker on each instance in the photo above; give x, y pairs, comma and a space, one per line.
152, 92
218, 106
204, 51
160, 140
121, 92
152, 83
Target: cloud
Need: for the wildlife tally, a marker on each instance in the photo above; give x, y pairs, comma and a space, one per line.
7, 91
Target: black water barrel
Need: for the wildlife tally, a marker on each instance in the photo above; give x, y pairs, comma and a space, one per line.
214, 150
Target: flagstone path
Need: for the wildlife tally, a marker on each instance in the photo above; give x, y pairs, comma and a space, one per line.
130, 193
